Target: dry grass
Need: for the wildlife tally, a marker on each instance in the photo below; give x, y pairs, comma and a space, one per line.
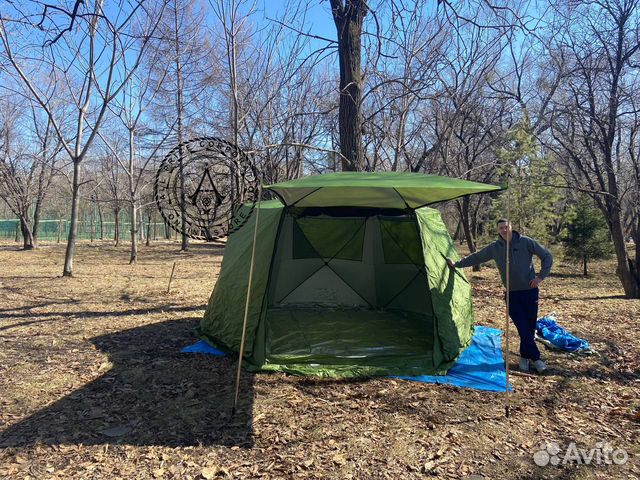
93, 385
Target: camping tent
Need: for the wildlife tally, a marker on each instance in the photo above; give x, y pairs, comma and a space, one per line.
349, 279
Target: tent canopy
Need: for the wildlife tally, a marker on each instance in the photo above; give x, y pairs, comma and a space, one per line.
349, 279
361, 294
400, 190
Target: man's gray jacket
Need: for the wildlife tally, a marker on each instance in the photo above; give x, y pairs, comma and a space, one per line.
521, 270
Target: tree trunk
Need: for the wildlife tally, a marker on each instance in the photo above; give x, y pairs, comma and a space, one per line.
627, 278
141, 227
636, 269
36, 221
149, 230
44, 180
73, 227
348, 19
179, 104
155, 228
116, 228
230, 37
456, 235
584, 266
134, 234
101, 220
474, 222
134, 208
91, 225
471, 244
27, 236
59, 230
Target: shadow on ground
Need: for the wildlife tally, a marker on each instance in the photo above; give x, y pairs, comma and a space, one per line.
152, 395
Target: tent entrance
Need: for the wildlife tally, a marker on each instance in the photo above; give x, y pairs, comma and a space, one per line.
349, 284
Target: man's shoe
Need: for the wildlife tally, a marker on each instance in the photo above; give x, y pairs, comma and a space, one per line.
524, 365
540, 366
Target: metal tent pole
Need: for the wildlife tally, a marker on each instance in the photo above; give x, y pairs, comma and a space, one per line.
246, 305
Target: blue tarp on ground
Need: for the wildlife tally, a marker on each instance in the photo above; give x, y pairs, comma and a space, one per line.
480, 366
202, 347
548, 329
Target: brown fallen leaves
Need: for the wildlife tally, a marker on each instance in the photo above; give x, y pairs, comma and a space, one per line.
93, 385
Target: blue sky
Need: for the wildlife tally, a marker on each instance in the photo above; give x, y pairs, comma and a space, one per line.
318, 22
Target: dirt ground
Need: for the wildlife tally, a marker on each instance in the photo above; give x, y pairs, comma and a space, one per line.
93, 385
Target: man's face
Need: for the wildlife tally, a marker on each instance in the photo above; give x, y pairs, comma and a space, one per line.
504, 229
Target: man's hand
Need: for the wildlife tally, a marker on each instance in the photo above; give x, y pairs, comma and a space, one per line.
452, 265
535, 282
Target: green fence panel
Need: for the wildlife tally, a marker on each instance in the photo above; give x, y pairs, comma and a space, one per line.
52, 229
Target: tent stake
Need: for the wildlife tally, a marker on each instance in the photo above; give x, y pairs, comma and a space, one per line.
506, 315
171, 277
246, 304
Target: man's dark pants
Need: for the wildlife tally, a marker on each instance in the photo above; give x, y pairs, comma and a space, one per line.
523, 310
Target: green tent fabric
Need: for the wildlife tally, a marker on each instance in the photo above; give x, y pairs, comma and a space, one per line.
222, 324
359, 289
376, 189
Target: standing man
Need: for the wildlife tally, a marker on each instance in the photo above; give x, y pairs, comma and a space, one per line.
523, 284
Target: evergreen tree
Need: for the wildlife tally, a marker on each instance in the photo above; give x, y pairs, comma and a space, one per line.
533, 201
586, 236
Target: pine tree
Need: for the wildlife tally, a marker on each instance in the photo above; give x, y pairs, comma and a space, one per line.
586, 237
532, 200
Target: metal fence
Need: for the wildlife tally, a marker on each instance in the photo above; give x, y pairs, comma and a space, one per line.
58, 230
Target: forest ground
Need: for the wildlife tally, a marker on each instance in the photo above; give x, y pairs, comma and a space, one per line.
93, 384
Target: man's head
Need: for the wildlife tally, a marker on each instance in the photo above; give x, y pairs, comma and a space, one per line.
504, 228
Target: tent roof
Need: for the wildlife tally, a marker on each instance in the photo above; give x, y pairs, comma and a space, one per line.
403, 190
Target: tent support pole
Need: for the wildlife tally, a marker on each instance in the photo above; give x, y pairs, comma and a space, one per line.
506, 313
246, 305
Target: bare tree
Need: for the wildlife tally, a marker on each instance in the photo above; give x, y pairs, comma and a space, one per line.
179, 68
469, 123
233, 16
114, 182
349, 18
48, 150
600, 42
130, 108
16, 172
401, 79
631, 178
106, 37
27, 164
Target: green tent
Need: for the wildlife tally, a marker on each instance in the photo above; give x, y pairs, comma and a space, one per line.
349, 279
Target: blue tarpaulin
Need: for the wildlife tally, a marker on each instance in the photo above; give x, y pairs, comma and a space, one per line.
548, 329
202, 347
480, 365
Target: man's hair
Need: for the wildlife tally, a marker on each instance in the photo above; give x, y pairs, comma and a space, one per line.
502, 220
